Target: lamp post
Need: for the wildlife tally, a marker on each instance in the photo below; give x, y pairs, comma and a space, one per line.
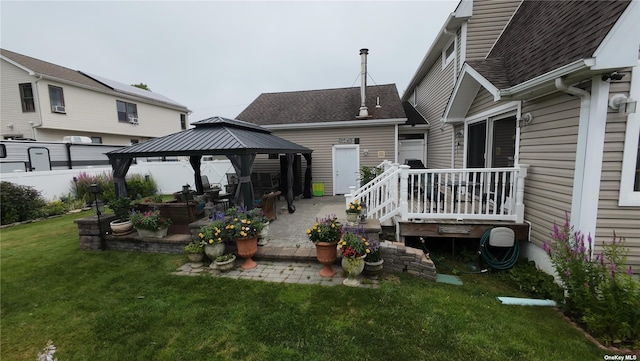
75, 181
185, 192
95, 190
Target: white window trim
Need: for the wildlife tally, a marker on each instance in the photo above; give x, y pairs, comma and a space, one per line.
448, 59
629, 197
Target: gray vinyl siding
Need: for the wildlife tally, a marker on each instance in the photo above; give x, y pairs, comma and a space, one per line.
434, 91
548, 146
11, 104
612, 218
374, 138
484, 101
439, 146
486, 24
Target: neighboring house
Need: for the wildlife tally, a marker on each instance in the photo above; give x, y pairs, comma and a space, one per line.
331, 123
47, 102
548, 84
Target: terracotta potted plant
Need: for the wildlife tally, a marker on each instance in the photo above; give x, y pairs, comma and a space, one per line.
325, 234
244, 229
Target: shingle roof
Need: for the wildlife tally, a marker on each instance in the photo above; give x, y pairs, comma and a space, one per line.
86, 79
212, 136
326, 105
52, 70
546, 35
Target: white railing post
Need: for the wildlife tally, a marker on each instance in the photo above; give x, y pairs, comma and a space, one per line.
404, 191
519, 211
349, 196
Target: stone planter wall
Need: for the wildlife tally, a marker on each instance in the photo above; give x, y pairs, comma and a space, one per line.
90, 240
399, 258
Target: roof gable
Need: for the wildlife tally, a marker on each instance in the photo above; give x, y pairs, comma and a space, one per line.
547, 35
325, 105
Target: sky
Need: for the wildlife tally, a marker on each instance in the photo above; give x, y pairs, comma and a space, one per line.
216, 57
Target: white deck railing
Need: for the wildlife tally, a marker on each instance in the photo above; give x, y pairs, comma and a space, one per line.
461, 194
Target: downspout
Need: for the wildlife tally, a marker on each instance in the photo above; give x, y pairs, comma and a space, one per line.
589, 153
37, 97
583, 126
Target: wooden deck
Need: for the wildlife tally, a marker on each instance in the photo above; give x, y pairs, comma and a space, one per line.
459, 229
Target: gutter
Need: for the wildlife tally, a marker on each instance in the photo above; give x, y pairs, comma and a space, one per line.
338, 124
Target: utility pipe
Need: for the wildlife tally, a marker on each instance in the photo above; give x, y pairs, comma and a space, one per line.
363, 87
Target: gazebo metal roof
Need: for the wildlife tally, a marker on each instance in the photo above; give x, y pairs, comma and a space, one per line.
213, 136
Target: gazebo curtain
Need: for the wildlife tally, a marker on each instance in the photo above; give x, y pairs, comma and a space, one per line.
120, 168
306, 191
243, 164
195, 161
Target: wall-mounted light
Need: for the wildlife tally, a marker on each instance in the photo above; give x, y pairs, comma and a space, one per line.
366, 152
10, 125
622, 103
613, 76
527, 118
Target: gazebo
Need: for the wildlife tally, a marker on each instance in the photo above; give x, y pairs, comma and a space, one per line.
237, 140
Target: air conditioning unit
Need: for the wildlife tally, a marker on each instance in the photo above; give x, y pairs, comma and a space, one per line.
58, 109
133, 120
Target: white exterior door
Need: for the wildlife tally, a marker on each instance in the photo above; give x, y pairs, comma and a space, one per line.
346, 168
39, 159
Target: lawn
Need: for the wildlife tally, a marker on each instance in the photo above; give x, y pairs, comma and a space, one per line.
128, 306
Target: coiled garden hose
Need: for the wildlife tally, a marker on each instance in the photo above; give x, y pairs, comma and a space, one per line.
508, 260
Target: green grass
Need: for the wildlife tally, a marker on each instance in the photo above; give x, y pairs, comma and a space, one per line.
128, 306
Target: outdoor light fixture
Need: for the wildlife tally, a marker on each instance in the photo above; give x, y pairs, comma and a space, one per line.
185, 192
95, 190
75, 181
622, 103
613, 76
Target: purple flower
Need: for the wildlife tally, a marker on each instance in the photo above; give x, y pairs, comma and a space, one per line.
612, 266
567, 273
630, 271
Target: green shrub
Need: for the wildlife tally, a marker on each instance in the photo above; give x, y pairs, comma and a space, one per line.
139, 186
601, 294
367, 174
19, 203
532, 281
54, 208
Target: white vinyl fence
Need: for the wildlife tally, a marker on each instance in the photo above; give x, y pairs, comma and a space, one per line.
169, 176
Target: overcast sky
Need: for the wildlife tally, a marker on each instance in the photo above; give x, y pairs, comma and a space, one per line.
216, 57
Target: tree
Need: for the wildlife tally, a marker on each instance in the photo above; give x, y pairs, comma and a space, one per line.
141, 86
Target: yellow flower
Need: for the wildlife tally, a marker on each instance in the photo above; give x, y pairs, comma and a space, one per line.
368, 250
308, 231
333, 225
211, 241
243, 234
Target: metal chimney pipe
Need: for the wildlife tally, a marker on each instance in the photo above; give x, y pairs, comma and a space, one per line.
363, 88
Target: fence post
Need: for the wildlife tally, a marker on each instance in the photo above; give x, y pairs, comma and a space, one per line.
522, 174
404, 191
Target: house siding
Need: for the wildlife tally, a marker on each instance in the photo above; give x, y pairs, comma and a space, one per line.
88, 110
374, 138
11, 109
548, 146
483, 101
612, 218
486, 24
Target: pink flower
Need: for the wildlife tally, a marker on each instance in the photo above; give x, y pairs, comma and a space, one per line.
630, 271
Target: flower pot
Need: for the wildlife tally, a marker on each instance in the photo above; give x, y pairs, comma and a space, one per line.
225, 265
353, 267
212, 251
120, 227
373, 269
247, 248
327, 253
195, 257
352, 218
147, 233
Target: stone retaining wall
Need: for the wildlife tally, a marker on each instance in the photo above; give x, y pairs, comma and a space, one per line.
399, 258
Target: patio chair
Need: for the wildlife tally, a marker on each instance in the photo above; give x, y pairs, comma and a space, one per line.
268, 205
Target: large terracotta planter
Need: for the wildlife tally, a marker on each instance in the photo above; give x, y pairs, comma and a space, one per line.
247, 248
327, 254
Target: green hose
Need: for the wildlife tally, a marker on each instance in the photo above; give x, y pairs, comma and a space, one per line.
508, 260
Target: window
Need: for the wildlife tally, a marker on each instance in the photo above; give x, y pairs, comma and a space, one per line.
26, 97
3, 151
97, 140
448, 53
183, 121
134, 141
127, 112
57, 99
